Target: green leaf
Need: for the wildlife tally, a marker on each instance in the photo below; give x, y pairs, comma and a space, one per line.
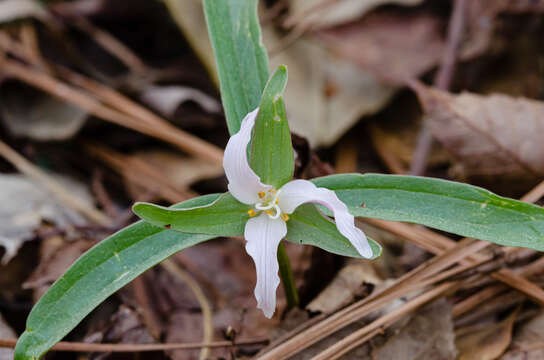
449, 206
242, 61
224, 217
97, 274
309, 227
271, 150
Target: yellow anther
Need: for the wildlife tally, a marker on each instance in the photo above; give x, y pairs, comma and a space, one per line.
284, 217
261, 194
269, 212
252, 213
277, 201
272, 191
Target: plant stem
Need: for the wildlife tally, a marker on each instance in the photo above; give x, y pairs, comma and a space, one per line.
287, 279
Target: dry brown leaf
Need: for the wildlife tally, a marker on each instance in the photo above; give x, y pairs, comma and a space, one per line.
393, 46
24, 205
487, 342
490, 135
528, 341
324, 13
427, 336
34, 114
348, 283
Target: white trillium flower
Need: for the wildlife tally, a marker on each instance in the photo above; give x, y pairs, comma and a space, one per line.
271, 208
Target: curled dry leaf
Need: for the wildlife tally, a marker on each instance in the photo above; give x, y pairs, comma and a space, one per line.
348, 283
490, 135
323, 13
23, 207
11, 10
31, 113
167, 99
486, 342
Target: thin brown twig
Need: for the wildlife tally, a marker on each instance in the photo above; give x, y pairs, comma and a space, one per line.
85, 347
442, 81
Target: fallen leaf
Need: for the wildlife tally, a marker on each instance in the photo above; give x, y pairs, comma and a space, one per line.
11, 10
23, 207
348, 283
427, 336
491, 135
6, 332
324, 13
487, 342
394, 46
56, 256
527, 342
167, 99
31, 113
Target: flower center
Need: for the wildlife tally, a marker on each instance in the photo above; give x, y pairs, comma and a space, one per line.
268, 202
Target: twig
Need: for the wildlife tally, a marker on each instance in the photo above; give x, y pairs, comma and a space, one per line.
172, 268
85, 347
442, 81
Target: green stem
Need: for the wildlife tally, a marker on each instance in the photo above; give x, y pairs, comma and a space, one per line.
287, 279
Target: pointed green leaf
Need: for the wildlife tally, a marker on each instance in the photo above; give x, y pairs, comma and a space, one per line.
271, 150
97, 274
309, 227
446, 205
224, 217
242, 61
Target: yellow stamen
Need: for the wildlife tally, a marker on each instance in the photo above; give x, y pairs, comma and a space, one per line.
284, 217
273, 191
269, 212
252, 213
261, 194
277, 201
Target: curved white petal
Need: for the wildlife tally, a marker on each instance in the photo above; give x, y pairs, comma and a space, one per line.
297, 192
263, 236
244, 184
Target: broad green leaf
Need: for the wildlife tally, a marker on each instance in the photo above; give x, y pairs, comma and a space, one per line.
309, 227
449, 206
97, 274
242, 61
224, 217
271, 150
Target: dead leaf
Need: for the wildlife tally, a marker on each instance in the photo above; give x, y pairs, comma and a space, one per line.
56, 256
348, 283
31, 113
490, 135
11, 10
324, 13
6, 332
394, 46
527, 343
487, 342
23, 207
167, 99
427, 336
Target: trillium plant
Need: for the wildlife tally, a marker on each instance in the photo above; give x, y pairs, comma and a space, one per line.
263, 202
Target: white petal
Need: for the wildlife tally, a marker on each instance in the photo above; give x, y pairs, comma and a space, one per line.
297, 192
244, 184
263, 236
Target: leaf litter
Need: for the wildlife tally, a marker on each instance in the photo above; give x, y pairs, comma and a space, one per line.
347, 62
